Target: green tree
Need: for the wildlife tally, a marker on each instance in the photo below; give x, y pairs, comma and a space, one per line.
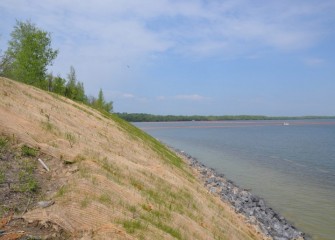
80, 92
58, 85
102, 104
101, 100
75, 89
28, 55
71, 90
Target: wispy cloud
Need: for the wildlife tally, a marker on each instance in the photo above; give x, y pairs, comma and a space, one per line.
125, 28
184, 97
192, 97
314, 62
109, 35
127, 95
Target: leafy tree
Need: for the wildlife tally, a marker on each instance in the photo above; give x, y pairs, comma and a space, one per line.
71, 90
101, 100
80, 92
100, 103
75, 89
58, 85
28, 55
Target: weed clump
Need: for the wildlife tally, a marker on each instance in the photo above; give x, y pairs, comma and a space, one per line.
26, 177
70, 138
132, 225
28, 151
105, 199
3, 142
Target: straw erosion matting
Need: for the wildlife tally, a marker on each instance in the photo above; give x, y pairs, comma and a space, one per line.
114, 181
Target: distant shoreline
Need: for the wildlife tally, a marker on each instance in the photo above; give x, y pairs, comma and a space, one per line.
143, 117
242, 201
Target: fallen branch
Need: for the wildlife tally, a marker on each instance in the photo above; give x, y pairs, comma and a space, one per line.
44, 165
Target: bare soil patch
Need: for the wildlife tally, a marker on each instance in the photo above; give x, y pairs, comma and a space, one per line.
23, 183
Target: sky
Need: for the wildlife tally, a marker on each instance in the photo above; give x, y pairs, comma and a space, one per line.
192, 57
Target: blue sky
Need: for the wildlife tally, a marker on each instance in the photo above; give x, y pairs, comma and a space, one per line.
191, 56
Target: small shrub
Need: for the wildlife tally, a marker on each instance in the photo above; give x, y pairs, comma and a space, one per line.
137, 184
48, 126
173, 232
132, 225
31, 185
132, 209
105, 199
27, 182
71, 138
28, 151
85, 202
3, 142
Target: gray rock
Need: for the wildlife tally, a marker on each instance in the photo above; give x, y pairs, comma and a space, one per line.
45, 204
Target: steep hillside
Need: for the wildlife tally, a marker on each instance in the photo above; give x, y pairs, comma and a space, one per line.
107, 179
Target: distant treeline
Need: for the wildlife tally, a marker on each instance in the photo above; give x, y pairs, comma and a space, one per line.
143, 117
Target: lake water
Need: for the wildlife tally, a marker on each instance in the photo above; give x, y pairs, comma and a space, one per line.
291, 166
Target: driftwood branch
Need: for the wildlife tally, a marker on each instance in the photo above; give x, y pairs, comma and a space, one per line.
44, 165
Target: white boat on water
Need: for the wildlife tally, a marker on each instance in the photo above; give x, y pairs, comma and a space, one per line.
286, 123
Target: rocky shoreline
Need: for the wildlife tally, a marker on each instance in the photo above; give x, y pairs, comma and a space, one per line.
254, 208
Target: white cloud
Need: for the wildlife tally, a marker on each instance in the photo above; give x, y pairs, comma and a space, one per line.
108, 35
192, 97
161, 98
184, 97
187, 97
128, 95
314, 62
137, 27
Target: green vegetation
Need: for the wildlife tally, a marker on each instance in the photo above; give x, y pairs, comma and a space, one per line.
18, 169
26, 60
100, 103
62, 191
3, 142
85, 202
134, 132
105, 199
28, 151
132, 225
47, 126
28, 55
143, 117
26, 177
70, 138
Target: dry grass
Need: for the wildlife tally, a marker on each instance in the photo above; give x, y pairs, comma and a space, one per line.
126, 186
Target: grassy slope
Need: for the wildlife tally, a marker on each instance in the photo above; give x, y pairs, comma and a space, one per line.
116, 181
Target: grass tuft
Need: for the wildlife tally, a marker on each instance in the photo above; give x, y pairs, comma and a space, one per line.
85, 202
3, 142
62, 191
28, 183
132, 225
105, 199
70, 138
28, 151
